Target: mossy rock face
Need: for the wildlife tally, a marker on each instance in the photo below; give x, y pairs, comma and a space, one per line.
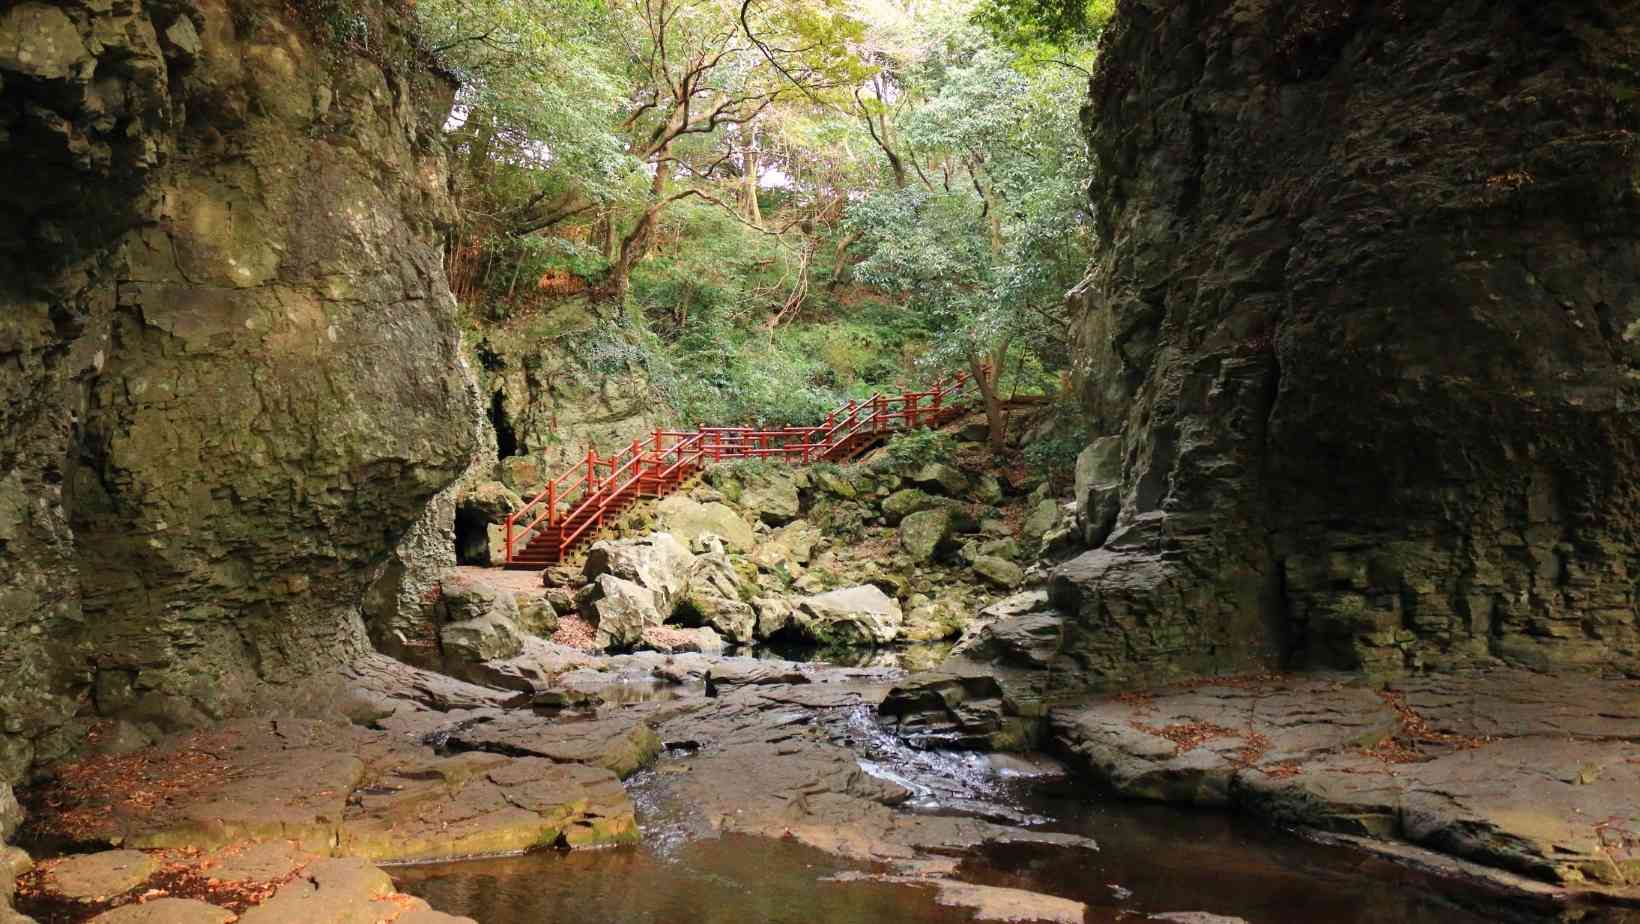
242, 306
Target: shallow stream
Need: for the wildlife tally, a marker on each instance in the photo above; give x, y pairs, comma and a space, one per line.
1152, 859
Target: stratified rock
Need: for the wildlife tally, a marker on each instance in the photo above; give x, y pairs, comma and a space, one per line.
1379, 413
41, 41
947, 710
657, 562
167, 911
478, 804
689, 520
94, 876
622, 744
1403, 764
860, 615
619, 609
1146, 618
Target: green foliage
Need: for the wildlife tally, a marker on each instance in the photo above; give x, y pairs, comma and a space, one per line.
1053, 457
920, 447
1032, 24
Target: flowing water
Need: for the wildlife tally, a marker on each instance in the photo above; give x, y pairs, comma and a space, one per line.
1151, 859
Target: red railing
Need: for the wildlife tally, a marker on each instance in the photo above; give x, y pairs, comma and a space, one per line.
579, 500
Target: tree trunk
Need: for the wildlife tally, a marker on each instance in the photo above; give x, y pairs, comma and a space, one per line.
997, 424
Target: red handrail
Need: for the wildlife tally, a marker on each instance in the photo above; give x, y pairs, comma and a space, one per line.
633, 464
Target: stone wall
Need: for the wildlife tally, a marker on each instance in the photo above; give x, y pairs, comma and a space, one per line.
1364, 323
232, 369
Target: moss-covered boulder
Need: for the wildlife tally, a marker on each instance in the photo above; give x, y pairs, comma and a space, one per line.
927, 533
938, 476
999, 571
906, 501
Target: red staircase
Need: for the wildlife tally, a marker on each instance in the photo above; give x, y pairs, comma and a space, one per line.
575, 504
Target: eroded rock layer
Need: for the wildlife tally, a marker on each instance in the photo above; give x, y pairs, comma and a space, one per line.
1364, 334
231, 377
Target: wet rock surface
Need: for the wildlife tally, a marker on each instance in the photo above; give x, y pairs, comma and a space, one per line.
1518, 772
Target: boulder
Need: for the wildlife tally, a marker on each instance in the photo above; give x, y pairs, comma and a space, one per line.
689, 519
1042, 518
658, 562
903, 503
714, 599
464, 598
931, 620
536, 614
987, 490
773, 615
675, 640
790, 544
862, 615
619, 610
772, 498
834, 483
928, 533
937, 476
999, 571
487, 638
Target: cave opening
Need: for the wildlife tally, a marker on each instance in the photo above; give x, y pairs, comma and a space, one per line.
507, 442
472, 537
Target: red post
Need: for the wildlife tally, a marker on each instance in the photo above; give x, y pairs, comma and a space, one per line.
552, 502
510, 540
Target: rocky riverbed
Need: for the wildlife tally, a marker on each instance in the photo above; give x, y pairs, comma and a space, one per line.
1522, 790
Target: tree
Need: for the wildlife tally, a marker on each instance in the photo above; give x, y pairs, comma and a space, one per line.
703, 72
992, 244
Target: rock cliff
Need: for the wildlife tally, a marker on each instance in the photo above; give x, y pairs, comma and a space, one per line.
233, 379
1363, 337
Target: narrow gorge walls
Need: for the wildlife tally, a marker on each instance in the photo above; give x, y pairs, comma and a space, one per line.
231, 376
1363, 335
